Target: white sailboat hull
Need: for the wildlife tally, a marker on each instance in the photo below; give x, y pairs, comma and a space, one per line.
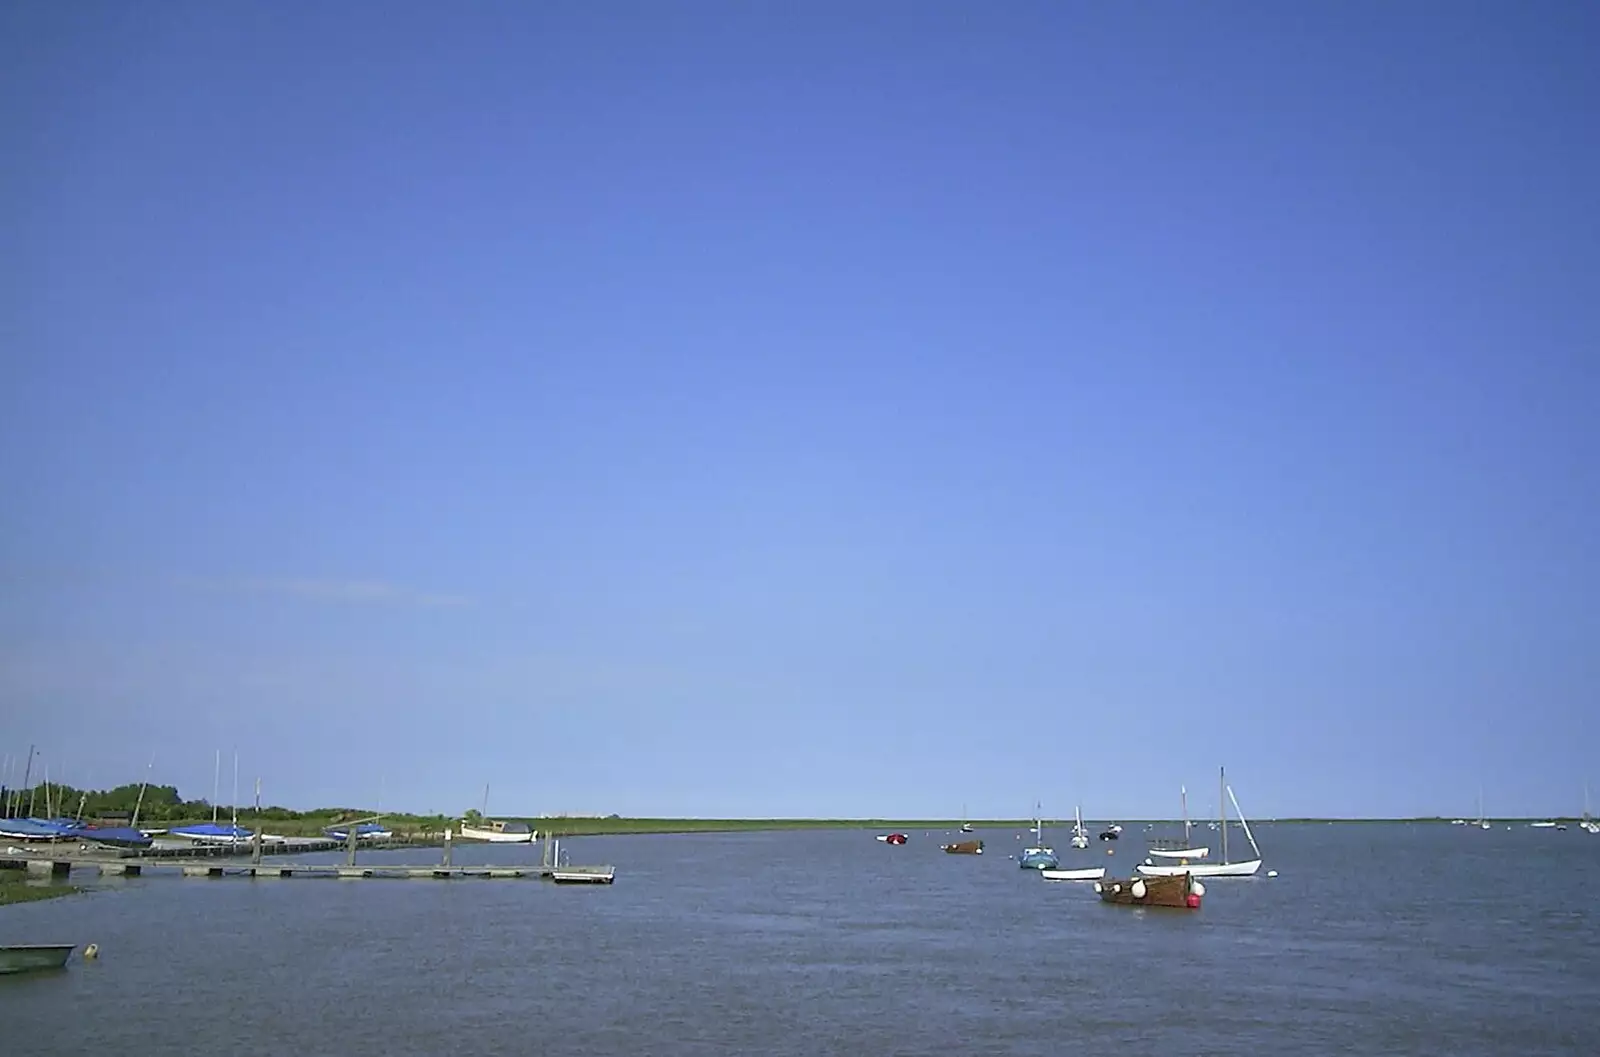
1181, 853
495, 836
1093, 873
1202, 869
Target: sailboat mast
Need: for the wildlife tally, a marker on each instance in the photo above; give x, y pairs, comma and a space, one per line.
216, 787
235, 804
137, 804
1183, 795
1222, 809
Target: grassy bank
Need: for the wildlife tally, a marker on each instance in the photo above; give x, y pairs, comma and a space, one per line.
14, 888
613, 824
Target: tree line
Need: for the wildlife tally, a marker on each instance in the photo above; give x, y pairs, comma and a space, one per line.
160, 803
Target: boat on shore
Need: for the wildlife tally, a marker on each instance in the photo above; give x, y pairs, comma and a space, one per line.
115, 836
364, 831
34, 957
964, 847
212, 833
35, 828
1178, 891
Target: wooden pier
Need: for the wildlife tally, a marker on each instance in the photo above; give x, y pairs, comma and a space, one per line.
202, 861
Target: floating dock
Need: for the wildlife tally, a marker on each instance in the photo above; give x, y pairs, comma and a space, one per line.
202, 861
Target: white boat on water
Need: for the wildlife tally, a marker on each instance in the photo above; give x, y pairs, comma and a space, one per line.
1080, 836
495, 831
1092, 873
1225, 868
1182, 850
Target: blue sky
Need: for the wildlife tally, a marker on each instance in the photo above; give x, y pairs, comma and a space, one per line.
732, 409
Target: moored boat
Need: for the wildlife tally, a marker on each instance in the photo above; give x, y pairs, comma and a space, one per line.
1179, 891
965, 847
1225, 868
1041, 856
1080, 836
1184, 849
495, 831
31, 957
1090, 873
892, 838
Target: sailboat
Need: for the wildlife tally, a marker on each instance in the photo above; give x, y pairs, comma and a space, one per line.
494, 831
1038, 857
966, 827
1080, 840
1080, 836
1225, 868
1165, 849
1588, 824
1481, 823
214, 832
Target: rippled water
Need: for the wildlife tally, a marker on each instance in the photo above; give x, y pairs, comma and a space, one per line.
1375, 939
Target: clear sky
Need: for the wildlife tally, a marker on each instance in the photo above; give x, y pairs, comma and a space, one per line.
830, 408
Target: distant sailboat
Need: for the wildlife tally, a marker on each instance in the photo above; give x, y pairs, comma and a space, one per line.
1588, 825
1166, 849
1080, 836
1038, 857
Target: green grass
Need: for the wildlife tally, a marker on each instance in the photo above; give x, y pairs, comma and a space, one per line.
14, 888
593, 826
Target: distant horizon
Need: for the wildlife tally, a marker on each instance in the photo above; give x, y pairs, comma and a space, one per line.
247, 803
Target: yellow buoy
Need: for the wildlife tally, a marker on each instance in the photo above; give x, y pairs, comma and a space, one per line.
92, 951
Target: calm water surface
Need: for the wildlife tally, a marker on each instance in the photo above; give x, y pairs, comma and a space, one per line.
1374, 939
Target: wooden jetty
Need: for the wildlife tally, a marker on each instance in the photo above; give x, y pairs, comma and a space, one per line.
61, 861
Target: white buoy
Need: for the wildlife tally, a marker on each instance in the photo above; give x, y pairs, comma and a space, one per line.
1272, 873
91, 952
1138, 889
1197, 888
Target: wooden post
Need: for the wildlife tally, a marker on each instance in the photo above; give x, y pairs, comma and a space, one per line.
350, 841
447, 844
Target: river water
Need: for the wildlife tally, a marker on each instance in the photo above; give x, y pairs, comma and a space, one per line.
1374, 939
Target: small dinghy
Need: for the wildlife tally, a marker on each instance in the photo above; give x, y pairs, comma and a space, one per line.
892, 838
33, 957
1089, 873
965, 847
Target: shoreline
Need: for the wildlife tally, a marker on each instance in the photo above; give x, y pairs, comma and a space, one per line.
613, 825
